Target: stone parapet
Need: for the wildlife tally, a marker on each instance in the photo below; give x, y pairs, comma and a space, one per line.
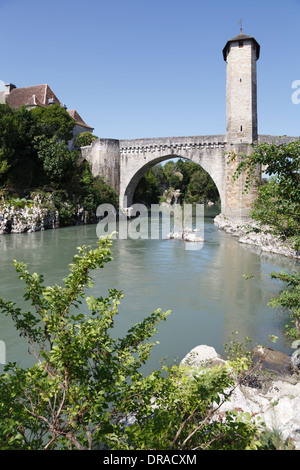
171, 143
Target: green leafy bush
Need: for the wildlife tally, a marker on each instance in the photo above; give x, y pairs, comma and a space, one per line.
289, 300
84, 138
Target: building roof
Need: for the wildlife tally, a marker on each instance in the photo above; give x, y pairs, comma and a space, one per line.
37, 95
241, 37
73, 113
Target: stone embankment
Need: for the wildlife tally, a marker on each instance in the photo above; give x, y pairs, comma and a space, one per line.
270, 393
249, 232
40, 213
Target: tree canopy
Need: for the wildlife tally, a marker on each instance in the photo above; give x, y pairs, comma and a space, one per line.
84, 138
54, 121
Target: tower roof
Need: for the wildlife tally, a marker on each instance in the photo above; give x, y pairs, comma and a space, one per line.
242, 37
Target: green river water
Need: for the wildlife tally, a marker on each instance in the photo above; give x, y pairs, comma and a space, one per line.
205, 289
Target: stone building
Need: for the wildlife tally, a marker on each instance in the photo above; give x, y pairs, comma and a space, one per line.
43, 96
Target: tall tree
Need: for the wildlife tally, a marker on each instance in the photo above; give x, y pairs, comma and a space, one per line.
54, 121
17, 153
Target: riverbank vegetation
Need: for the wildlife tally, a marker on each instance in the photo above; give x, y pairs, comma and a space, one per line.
35, 156
278, 202
277, 210
87, 390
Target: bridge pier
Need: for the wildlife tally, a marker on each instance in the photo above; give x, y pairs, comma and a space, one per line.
238, 203
103, 156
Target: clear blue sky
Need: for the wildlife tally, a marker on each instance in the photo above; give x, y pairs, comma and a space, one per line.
150, 68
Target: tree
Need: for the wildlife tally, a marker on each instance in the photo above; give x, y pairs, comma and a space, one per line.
59, 163
84, 138
278, 204
289, 300
54, 121
201, 188
17, 153
173, 175
147, 191
86, 384
35, 156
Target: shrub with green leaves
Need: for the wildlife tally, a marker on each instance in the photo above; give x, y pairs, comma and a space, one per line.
84, 138
289, 300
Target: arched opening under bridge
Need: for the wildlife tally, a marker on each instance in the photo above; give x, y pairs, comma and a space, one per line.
176, 181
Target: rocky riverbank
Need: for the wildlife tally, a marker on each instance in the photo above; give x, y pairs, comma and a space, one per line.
249, 232
39, 213
270, 393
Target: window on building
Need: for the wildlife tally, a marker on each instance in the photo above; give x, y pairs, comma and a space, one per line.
241, 44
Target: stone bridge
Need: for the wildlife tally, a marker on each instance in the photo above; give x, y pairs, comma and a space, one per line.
137, 156
124, 162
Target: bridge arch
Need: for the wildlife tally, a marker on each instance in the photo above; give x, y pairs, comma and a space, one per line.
133, 183
137, 159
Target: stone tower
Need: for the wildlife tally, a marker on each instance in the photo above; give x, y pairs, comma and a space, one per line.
241, 54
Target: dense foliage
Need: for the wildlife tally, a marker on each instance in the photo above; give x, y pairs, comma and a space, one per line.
54, 121
35, 156
194, 183
86, 389
289, 301
84, 138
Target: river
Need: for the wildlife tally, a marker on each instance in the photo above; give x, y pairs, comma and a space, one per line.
205, 289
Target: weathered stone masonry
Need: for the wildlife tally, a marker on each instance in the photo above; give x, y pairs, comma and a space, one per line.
124, 162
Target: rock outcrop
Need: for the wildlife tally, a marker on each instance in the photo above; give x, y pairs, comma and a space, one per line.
39, 213
271, 395
249, 232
